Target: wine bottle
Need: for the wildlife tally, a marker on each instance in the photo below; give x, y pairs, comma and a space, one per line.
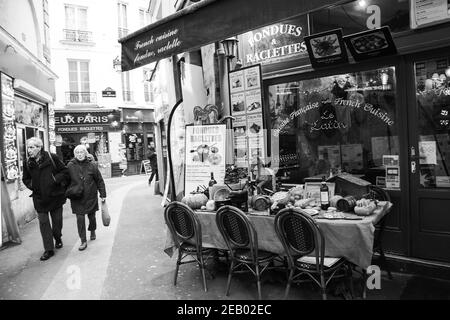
212, 181
324, 195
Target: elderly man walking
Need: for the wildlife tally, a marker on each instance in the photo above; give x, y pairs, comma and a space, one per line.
46, 175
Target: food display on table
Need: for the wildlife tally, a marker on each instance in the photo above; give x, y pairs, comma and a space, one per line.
195, 200
365, 207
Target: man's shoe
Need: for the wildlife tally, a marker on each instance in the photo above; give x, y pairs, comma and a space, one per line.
47, 255
58, 244
83, 246
93, 236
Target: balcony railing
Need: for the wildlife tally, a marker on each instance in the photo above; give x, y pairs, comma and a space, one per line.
77, 35
123, 32
127, 96
74, 97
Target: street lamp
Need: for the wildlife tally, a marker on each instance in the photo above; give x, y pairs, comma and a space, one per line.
230, 47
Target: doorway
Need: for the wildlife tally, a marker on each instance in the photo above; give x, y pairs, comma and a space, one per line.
429, 154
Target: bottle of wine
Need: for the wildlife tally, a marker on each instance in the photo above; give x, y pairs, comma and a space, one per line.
212, 181
324, 195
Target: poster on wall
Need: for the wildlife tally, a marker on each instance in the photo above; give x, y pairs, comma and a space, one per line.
429, 12
10, 157
326, 48
205, 154
246, 107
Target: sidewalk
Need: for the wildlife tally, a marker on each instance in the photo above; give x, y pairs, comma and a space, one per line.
127, 262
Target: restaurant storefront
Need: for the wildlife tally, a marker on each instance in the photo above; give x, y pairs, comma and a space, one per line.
138, 136
381, 118
98, 130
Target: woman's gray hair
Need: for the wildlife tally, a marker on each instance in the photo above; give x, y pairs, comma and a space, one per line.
35, 141
80, 147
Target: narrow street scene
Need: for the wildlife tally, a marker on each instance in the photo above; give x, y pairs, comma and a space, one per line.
221, 150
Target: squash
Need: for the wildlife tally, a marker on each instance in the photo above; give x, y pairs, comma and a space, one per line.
211, 205
195, 200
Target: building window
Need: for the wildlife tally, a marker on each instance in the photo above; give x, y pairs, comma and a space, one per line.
148, 87
144, 18
126, 91
328, 125
123, 21
79, 87
76, 24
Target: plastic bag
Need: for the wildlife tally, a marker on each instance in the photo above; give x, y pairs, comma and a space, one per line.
106, 218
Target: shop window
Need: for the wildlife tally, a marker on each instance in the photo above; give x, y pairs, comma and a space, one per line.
135, 146
357, 16
341, 123
433, 103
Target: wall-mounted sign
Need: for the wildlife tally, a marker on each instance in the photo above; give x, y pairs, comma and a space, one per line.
87, 121
370, 44
137, 115
429, 12
205, 154
277, 42
109, 92
246, 107
326, 48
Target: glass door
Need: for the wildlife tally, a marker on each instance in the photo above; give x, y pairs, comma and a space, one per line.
429, 151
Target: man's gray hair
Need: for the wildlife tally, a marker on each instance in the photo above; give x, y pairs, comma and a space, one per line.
35, 141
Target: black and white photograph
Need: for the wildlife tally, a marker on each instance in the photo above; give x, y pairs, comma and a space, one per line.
212, 159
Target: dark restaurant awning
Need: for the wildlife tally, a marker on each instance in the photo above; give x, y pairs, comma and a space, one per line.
206, 22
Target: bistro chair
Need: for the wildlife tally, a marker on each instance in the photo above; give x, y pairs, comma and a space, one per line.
304, 246
186, 232
242, 242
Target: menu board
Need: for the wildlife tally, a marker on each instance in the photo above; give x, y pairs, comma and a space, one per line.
246, 108
9, 128
429, 12
205, 154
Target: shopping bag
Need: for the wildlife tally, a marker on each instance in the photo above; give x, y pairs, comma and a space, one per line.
106, 218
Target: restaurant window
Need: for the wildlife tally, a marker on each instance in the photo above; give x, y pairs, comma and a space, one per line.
357, 16
433, 103
340, 123
30, 123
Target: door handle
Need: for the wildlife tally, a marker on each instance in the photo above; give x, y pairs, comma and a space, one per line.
413, 166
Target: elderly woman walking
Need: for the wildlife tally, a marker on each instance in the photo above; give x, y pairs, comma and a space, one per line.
86, 182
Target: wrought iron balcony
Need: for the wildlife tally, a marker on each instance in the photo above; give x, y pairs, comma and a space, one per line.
77, 35
127, 96
75, 97
123, 32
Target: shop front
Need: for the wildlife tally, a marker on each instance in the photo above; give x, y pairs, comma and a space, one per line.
99, 131
329, 98
138, 136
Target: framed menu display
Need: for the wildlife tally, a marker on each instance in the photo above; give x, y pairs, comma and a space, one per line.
429, 12
246, 107
205, 154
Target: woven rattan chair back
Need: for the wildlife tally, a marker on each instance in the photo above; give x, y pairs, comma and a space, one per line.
182, 223
235, 227
299, 235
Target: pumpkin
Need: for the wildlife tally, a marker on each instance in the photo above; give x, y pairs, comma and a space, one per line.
211, 205
195, 200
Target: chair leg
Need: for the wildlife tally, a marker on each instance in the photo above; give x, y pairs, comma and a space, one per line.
364, 284
323, 286
229, 278
350, 278
258, 281
288, 286
202, 270
177, 267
